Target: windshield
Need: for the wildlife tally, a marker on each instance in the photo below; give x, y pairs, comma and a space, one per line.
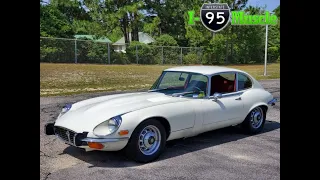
181, 82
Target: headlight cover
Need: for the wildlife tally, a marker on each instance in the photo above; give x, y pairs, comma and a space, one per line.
108, 127
65, 109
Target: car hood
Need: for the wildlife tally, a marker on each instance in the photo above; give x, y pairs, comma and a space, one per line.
85, 115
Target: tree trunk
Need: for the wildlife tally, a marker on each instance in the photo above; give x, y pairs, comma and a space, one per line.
135, 30
124, 25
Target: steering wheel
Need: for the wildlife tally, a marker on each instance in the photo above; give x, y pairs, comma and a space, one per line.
195, 87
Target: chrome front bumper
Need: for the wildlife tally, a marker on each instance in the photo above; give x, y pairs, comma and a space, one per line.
109, 144
272, 102
81, 140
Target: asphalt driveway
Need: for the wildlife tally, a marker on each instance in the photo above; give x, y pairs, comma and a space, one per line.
221, 154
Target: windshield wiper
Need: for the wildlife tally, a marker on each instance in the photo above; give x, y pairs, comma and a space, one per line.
183, 93
152, 90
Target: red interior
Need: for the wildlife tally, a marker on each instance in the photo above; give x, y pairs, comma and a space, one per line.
221, 85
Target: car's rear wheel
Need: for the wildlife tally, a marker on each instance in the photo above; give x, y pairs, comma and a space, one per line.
255, 120
147, 141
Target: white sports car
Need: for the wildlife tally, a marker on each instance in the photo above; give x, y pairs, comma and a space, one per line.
183, 102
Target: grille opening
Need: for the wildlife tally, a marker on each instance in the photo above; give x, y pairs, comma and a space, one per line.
65, 134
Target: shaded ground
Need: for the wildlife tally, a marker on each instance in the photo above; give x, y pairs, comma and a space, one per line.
220, 154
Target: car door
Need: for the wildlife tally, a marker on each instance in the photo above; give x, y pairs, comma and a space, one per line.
228, 108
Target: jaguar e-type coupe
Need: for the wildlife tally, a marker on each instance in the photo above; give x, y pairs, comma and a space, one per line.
183, 102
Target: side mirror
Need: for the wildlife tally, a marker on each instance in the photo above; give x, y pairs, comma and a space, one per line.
181, 79
216, 96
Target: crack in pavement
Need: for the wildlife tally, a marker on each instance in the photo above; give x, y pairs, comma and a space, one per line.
47, 176
46, 155
50, 142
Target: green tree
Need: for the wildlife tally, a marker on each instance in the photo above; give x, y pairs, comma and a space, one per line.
153, 27
274, 39
171, 54
143, 51
165, 40
54, 23
112, 14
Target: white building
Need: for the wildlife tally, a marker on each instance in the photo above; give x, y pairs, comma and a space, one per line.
120, 45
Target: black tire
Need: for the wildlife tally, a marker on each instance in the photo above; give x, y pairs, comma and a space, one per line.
132, 149
247, 124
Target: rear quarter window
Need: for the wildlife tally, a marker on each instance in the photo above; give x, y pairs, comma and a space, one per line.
244, 82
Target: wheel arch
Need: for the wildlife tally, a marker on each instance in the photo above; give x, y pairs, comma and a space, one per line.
262, 104
162, 120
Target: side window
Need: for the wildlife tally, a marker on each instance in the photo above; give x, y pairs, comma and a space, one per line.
243, 82
199, 82
223, 83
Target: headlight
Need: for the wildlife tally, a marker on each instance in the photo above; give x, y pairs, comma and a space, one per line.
108, 127
65, 109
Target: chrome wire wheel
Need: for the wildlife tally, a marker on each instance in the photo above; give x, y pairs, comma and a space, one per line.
149, 140
256, 117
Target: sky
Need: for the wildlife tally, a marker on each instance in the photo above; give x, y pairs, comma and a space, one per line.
271, 4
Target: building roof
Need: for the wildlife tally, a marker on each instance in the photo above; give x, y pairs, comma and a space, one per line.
92, 37
206, 70
143, 38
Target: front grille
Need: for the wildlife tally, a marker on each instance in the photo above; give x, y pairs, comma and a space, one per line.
65, 134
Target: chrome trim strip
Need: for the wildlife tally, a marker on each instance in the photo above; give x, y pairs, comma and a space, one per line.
230, 94
183, 129
99, 140
274, 100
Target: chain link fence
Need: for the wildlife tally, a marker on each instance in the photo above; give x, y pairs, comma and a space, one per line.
61, 50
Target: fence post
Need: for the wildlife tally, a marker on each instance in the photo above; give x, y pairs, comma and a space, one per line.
75, 51
181, 56
137, 54
108, 53
162, 54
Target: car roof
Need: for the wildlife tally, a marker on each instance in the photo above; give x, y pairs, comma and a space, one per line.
206, 70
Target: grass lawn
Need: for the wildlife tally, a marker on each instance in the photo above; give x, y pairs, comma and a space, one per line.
67, 79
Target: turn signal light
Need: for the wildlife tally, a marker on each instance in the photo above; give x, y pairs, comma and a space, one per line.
95, 145
123, 132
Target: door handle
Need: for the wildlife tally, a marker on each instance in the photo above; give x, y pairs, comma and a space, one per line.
239, 98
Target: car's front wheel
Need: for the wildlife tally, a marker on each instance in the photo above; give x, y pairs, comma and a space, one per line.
147, 141
255, 120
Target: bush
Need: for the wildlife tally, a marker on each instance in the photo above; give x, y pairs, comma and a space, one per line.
165, 40
171, 55
97, 53
53, 50
273, 54
144, 52
190, 58
119, 58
